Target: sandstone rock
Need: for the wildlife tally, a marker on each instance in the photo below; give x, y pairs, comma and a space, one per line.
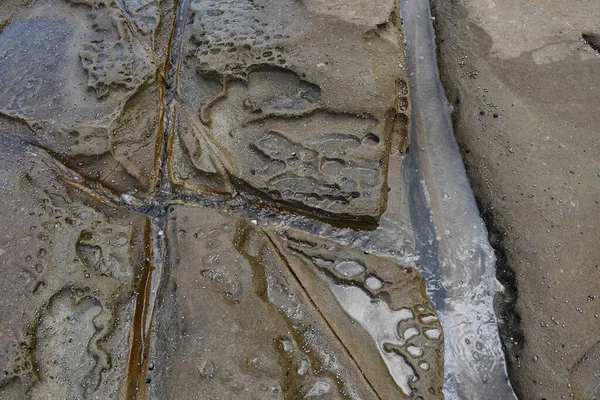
291, 117
69, 269
122, 121
244, 314
377, 308
81, 78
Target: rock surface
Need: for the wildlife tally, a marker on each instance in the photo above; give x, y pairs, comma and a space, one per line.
131, 267
79, 80
69, 272
388, 302
522, 77
287, 114
244, 314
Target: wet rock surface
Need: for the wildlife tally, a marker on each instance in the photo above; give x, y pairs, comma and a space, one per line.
70, 268
290, 316
79, 80
161, 166
291, 118
387, 300
532, 159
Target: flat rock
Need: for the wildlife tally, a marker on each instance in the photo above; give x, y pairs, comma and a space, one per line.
532, 161
585, 374
122, 121
78, 78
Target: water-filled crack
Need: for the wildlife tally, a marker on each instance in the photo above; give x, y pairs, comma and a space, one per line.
451, 235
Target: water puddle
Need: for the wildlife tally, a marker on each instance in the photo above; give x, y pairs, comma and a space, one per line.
382, 324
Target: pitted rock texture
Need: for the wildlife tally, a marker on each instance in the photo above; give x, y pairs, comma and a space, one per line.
122, 122
237, 322
289, 115
75, 73
377, 308
69, 270
234, 322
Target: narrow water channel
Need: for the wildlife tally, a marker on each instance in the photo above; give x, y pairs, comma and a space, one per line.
451, 239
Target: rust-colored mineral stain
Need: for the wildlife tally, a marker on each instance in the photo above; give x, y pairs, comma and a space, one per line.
137, 365
3, 25
158, 144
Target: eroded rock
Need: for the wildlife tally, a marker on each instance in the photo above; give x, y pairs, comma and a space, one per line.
289, 115
80, 78
377, 308
585, 374
69, 270
236, 321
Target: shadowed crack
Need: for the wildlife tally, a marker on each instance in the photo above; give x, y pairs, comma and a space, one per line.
592, 39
